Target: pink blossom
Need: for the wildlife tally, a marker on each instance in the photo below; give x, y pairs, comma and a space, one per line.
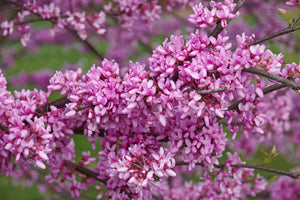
293, 3
204, 17
7, 28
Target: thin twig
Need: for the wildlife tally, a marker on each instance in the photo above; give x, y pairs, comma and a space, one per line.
32, 21
87, 43
262, 168
274, 35
58, 103
53, 21
89, 173
288, 29
3, 128
208, 91
287, 82
269, 89
252, 166
83, 170
219, 27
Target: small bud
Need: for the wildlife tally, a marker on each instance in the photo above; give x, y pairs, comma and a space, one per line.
282, 11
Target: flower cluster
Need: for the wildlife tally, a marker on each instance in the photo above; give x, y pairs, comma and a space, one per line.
133, 11
285, 188
225, 183
79, 21
25, 137
204, 17
177, 114
292, 3
7, 28
67, 16
170, 104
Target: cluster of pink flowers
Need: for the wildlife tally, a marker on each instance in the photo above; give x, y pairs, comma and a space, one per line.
139, 111
79, 21
222, 183
293, 3
128, 12
285, 188
204, 17
25, 137
156, 121
7, 28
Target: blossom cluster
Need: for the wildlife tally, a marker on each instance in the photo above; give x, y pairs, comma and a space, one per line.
293, 3
67, 16
78, 21
25, 136
138, 22
222, 183
285, 188
222, 12
136, 113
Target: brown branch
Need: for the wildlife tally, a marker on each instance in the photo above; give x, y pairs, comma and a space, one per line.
3, 128
83, 170
262, 168
269, 89
89, 173
86, 42
274, 35
287, 82
31, 21
219, 27
208, 91
58, 103
288, 29
53, 21
252, 166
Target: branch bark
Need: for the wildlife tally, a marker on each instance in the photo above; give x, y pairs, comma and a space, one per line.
253, 166
288, 29
263, 168
287, 82
267, 90
208, 91
52, 20
83, 170
219, 27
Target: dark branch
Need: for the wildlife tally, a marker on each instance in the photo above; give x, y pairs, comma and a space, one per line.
53, 21
84, 170
269, 89
3, 128
288, 29
252, 166
219, 27
59, 103
262, 168
287, 82
208, 91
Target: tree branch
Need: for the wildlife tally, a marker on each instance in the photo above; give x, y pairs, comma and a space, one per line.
219, 27
252, 166
52, 20
288, 29
287, 82
87, 43
269, 89
262, 168
84, 170
34, 20
208, 91
4, 129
